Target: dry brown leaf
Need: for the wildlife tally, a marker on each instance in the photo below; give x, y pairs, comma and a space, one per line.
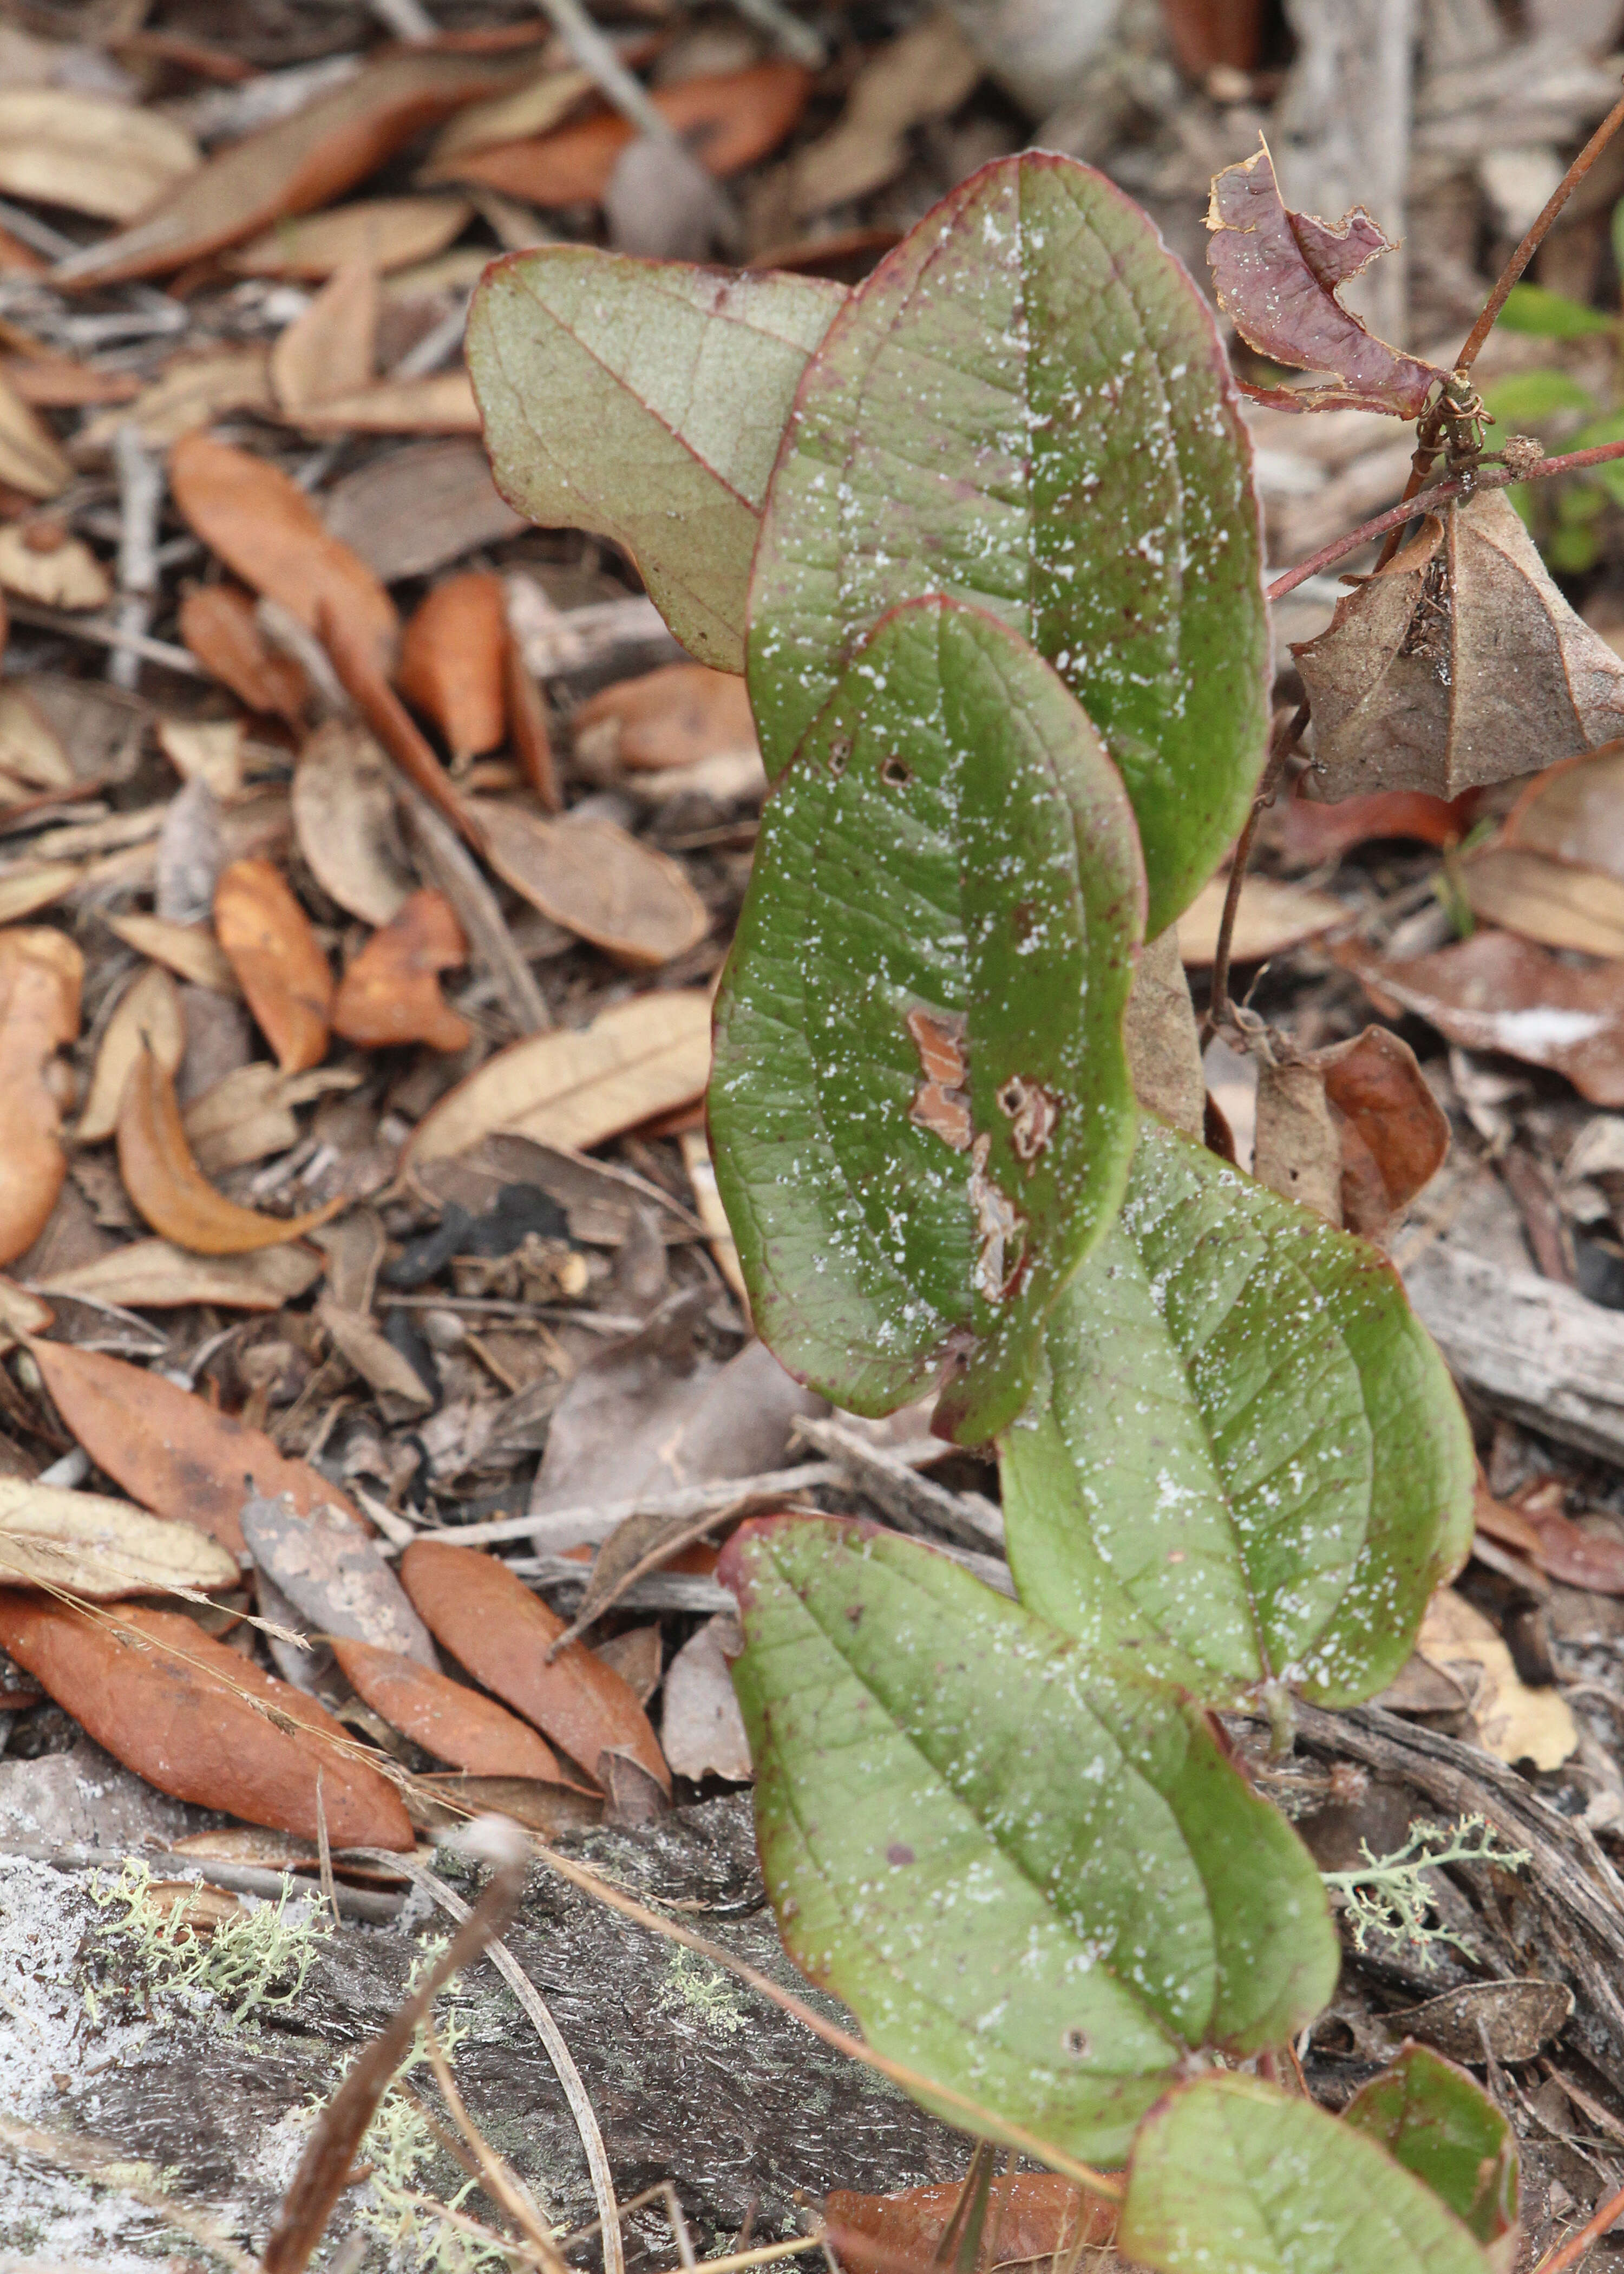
266, 939
701, 1729
489, 1622
1272, 917
578, 1089
170, 1191
1494, 992
637, 1656
207, 750
35, 885
536, 108
1307, 831
1030, 2216
31, 749
1410, 685
526, 725
1555, 902
449, 1719
330, 348
391, 993
1297, 1150
384, 232
249, 1113
187, 1712
708, 1208
401, 1394
596, 881
924, 73
22, 1312
40, 560
344, 820
193, 391
171, 1449
149, 1015
728, 119
40, 974
30, 459
1160, 1034
102, 1548
87, 152
442, 403
1511, 1721
1575, 811
410, 511
1395, 1134
155, 1275
187, 950
334, 1577
291, 168
453, 662
218, 623
671, 717
355, 660
264, 527
1562, 1548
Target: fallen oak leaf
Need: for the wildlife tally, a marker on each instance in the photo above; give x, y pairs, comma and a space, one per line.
1561, 1548
1276, 273
219, 626
1309, 829
330, 348
1030, 2215
334, 1576
354, 659
88, 1544
527, 726
598, 881
1559, 903
449, 1719
1395, 1134
172, 1450
187, 950
40, 974
203, 1723
454, 661
89, 153
344, 821
170, 1191
149, 1015
390, 994
671, 717
266, 936
386, 232
440, 403
42, 562
492, 1623
157, 1275
31, 458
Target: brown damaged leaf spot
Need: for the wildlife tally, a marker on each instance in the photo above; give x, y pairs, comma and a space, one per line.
170, 1191
1032, 1113
41, 974
999, 1226
942, 1103
202, 1724
1276, 275
390, 994
268, 940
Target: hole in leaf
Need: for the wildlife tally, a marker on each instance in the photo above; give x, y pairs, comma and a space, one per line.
895, 774
1075, 2042
840, 751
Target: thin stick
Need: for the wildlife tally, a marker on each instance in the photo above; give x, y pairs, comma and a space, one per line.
594, 1605
559, 2053
1285, 741
501, 2183
1576, 2245
141, 501
1481, 478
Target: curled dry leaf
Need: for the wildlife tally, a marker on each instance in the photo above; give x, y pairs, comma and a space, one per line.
1276, 275
201, 1722
1558, 903
1307, 831
1557, 1544
577, 1090
1296, 1151
266, 939
391, 993
445, 1718
295, 165
1163, 1044
41, 974
31, 458
728, 120
218, 624
91, 1546
454, 662
249, 1113
31, 749
39, 561
207, 750
354, 659
1030, 2215
171, 1449
329, 350
188, 950
701, 1727
1409, 686
596, 881
157, 1275
1512, 1722
924, 73
26, 890
170, 1191
149, 1015
1575, 811
87, 152
385, 233
526, 725
264, 528
671, 717
344, 821
492, 1623
1395, 1134
1494, 992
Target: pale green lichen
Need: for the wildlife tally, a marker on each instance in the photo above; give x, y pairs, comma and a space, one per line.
1388, 1894
259, 1960
694, 1986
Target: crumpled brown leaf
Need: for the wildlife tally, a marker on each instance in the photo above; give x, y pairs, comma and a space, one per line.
41, 973
1458, 662
1352, 1131
390, 994
1276, 273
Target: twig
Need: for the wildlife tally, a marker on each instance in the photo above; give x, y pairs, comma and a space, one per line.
677, 1537
594, 1520
100, 633
140, 500
1576, 2245
458, 875
502, 2185
559, 2053
798, 41
1285, 741
615, 83
1480, 477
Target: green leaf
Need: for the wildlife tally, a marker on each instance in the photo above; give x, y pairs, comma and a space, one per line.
1246, 1446
646, 400
1527, 397
1026, 405
1230, 2177
1033, 1875
1438, 2123
947, 873
1552, 315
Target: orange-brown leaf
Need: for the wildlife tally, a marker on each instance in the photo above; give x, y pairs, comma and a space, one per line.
1395, 1134
1030, 2215
171, 1449
41, 971
268, 940
453, 662
488, 1619
446, 1719
729, 119
675, 716
391, 994
170, 1191
218, 624
264, 528
169, 1702
355, 661
527, 723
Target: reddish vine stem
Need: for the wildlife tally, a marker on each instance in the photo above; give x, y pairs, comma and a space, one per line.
1285, 742
1480, 477
1576, 2245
